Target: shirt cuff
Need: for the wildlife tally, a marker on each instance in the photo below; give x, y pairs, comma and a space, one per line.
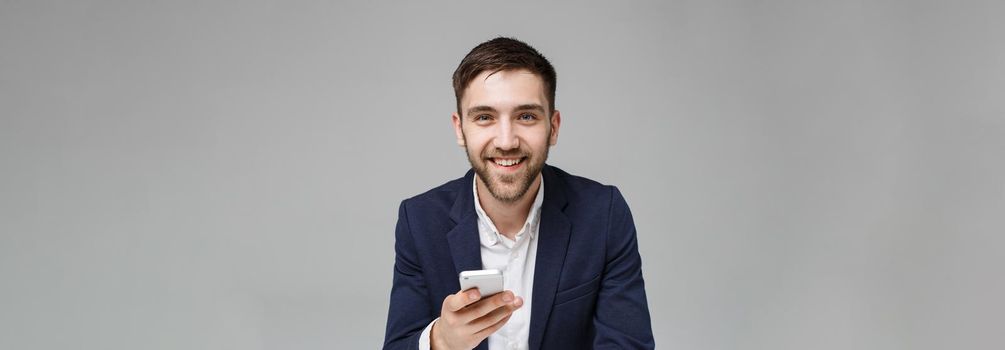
424, 337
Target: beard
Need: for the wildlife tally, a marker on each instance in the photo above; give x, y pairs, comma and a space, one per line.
508, 188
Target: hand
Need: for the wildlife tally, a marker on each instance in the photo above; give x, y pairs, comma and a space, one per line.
466, 320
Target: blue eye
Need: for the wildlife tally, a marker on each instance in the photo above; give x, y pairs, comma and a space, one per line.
528, 116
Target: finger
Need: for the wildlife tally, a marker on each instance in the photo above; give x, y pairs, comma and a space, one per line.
455, 302
485, 333
495, 315
486, 306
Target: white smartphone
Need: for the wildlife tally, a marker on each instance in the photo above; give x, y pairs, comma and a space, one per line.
488, 282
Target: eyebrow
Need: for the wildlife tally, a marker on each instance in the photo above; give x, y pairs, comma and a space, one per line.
523, 107
477, 109
532, 107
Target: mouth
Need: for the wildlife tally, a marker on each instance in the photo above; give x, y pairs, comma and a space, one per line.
508, 164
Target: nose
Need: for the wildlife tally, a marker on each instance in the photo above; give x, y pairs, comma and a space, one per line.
505, 137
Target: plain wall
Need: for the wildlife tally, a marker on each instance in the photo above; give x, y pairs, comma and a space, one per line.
226, 174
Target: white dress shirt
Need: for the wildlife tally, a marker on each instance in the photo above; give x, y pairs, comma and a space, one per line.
515, 258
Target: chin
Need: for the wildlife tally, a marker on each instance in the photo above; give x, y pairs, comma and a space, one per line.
506, 192
517, 186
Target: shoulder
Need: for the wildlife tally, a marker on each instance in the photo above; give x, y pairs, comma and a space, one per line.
439, 200
582, 190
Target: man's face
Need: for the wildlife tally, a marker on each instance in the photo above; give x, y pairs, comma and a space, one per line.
506, 131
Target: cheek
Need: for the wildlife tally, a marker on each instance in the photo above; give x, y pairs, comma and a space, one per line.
474, 142
480, 141
538, 138
473, 136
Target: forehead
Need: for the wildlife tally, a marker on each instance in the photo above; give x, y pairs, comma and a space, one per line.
504, 89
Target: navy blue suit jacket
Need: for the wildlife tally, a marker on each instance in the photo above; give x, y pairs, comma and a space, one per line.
588, 289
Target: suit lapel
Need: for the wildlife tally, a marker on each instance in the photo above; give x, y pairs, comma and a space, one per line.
463, 238
465, 248
551, 249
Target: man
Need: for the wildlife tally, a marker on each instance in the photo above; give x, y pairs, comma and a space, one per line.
566, 245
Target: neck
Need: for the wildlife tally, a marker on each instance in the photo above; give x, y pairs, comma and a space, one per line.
508, 217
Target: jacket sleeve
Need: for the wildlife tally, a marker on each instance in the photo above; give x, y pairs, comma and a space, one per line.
622, 314
409, 311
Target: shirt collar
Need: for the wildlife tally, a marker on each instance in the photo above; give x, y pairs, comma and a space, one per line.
529, 227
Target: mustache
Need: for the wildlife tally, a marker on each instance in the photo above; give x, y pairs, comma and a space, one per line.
517, 154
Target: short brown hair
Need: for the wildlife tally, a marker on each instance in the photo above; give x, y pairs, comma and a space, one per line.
501, 54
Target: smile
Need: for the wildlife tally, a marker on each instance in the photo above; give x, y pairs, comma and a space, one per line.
509, 163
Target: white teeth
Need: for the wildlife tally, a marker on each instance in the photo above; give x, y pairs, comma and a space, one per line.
507, 162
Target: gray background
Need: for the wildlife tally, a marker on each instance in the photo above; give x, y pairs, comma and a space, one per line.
226, 175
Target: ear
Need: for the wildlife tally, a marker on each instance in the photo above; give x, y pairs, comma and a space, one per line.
456, 119
556, 122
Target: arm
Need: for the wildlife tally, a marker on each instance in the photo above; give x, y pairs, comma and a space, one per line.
409, 311
622, 314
